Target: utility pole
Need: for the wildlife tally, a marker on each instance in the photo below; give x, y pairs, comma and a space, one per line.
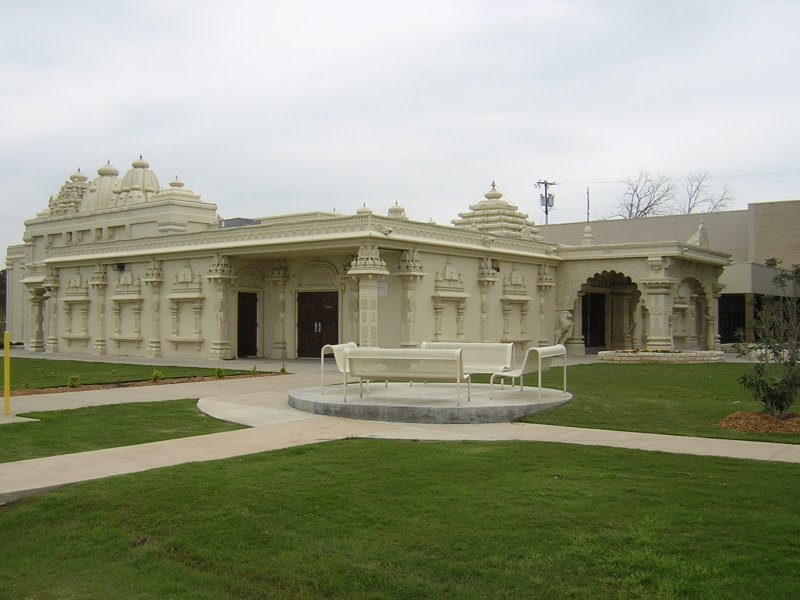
587, 204
546, 199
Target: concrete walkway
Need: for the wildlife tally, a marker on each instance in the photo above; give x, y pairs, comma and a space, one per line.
261, 402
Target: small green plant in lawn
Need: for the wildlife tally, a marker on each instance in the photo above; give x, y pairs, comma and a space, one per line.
775, 377
157, 376
219, 373
283, 369
74, 381
253, 371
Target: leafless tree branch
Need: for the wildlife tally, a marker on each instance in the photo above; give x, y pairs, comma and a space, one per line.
646, 195
697, 197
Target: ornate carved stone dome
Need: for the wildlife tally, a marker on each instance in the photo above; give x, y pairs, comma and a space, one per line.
103, 190
138, 185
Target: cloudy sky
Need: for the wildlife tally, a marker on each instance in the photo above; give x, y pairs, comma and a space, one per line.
264, 107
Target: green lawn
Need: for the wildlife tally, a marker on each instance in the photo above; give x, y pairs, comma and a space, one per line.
671, 399
82, 429
388, 519
43, 373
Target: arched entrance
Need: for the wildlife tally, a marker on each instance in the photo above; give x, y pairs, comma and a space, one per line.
609, 313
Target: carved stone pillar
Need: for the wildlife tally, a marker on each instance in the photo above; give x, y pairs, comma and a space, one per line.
438, 314
410, 271
137, 320
220, 275
408, 326
692, 315
368, 268
36, 343
576, 343
544, 284
278, 278
461, 308
98, 283
484, 312
153, 279
51, 295
659, 314
620, 314
351, 291
174, 308
506, 308
67, 322
713, 320
85, 319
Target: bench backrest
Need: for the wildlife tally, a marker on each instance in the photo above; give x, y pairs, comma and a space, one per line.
406, 363
530, 364
338, 353
479, 357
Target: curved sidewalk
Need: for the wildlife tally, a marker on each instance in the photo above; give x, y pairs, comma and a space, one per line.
262, 403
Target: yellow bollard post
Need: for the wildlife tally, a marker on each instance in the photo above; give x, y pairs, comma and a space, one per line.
6, 374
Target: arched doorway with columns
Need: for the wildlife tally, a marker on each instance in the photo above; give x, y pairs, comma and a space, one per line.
605, 314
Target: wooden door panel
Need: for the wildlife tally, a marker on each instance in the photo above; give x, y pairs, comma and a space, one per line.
317, 321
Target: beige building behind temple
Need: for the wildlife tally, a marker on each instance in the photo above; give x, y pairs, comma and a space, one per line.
123, 266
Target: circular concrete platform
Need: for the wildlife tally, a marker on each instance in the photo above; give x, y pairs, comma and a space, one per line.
426, 403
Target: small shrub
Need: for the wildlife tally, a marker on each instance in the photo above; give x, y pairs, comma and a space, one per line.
775, 377
157, 376
283, 369
253, 371
74, 381
219, 373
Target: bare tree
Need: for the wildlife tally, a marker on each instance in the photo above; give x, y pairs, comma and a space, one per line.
646, 195
698, 198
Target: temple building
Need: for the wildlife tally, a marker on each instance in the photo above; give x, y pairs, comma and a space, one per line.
126, 267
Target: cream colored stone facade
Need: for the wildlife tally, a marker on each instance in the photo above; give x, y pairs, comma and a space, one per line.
125, 267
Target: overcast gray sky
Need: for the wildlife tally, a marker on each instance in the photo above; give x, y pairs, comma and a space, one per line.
268, 107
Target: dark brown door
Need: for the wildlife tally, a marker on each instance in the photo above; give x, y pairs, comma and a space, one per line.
317, 321
247, 326
594, 320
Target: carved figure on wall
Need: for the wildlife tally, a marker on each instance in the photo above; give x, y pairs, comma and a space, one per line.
564, 327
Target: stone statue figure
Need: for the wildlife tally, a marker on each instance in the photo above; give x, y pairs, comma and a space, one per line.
564, 326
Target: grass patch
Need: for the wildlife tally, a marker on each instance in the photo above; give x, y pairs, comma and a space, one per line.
82, 429
37, 373
671, 399
389, 519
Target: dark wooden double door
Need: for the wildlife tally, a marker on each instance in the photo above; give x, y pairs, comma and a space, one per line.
317, 321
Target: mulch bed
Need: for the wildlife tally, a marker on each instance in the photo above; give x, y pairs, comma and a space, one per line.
751, 422
125, 384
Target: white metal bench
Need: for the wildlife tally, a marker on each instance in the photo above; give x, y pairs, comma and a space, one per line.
479, 357
537, 360
338, 355
405, 364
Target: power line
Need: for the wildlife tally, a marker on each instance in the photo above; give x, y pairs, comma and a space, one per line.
735, 176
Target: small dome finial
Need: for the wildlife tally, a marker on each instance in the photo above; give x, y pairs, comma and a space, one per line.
493, 194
